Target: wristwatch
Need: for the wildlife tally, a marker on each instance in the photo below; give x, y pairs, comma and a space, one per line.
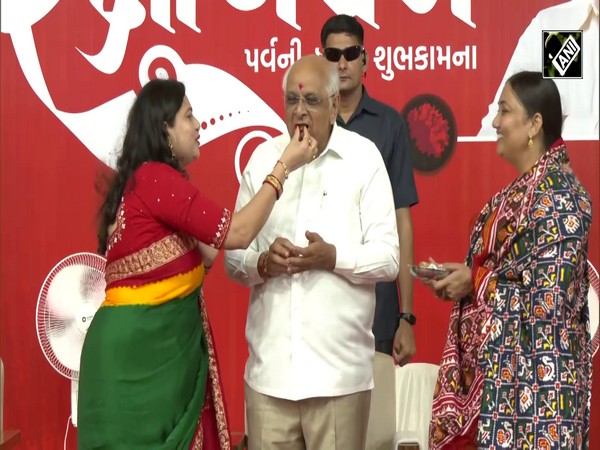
409, 317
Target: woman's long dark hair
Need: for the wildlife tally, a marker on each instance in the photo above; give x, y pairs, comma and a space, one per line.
145, 140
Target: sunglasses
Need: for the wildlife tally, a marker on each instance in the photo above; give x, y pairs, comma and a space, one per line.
350, 53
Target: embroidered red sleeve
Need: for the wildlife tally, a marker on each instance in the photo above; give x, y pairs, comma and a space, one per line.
173, 200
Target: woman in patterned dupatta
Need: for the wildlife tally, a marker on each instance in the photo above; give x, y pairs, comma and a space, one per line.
148, 376
516, 369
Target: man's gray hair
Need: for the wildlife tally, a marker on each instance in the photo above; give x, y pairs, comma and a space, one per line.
334, 81
333, 87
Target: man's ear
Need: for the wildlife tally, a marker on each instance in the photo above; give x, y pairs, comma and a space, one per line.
335, 108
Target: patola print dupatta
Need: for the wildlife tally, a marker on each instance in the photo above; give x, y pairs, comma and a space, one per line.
458, 394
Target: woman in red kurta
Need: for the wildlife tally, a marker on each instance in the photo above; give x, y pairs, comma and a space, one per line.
148, 375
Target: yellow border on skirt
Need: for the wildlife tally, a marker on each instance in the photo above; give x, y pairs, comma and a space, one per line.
158, 292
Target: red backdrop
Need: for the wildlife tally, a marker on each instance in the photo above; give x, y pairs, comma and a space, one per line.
61, 113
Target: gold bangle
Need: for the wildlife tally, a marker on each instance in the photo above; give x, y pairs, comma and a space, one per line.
285, 168
270, 183
274, 181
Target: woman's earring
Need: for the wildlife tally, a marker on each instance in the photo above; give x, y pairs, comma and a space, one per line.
171, 148
530, 142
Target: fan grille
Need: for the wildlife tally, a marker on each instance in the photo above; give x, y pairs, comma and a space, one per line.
68, 299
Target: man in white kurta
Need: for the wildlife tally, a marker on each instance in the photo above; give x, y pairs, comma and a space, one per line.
312, 272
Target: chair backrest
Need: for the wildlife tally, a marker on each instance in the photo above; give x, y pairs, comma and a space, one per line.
380, 433
415, 384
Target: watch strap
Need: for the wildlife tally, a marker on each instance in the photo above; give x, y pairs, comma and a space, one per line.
409, 317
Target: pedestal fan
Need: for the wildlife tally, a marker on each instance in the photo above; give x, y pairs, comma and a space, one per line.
68, 300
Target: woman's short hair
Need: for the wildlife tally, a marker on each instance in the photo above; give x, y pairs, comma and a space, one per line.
540, 95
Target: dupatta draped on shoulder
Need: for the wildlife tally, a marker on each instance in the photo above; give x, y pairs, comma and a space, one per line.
516, 368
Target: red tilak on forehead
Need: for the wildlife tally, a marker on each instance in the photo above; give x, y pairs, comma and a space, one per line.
300, 86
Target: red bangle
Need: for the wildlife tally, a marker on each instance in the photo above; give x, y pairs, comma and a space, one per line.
263, 269
273, 181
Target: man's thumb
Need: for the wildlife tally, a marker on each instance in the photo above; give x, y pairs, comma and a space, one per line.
311, 236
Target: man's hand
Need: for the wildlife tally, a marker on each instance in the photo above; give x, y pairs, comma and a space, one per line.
404, 343
279, 251
318, 255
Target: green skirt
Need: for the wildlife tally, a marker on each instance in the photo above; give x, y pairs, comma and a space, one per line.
143, 376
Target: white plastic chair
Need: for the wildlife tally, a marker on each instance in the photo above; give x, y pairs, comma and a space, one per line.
415, 384
381, 429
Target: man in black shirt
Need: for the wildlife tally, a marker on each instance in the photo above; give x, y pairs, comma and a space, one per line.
342, 39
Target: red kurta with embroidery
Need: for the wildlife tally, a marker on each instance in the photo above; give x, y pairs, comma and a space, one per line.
160, 208
149, 374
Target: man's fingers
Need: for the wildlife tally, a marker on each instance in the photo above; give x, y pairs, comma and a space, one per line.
312, 236
277, 260
282, 247
402, 356
403, 361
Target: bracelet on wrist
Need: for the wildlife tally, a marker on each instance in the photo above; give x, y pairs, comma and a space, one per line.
274, 187
285, 168
275, 183
263, 268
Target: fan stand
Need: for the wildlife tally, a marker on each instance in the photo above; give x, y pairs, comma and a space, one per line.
84, 317
74, 396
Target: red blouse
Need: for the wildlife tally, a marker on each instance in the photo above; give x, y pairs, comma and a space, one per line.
160, 219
